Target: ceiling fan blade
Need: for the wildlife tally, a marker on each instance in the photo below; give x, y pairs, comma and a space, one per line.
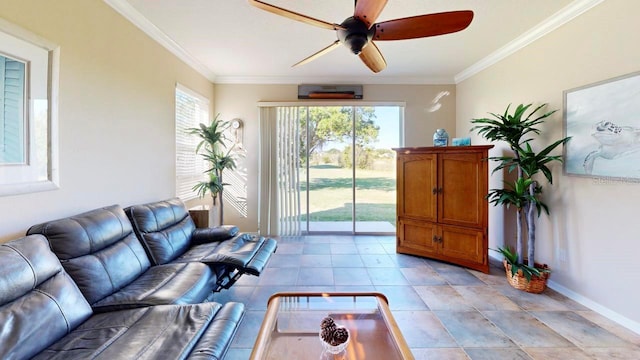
423, 25
294, 15
368, 11
372, 57
318, 54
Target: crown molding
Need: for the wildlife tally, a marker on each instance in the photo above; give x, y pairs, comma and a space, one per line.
365, 80
563, 16
136, 18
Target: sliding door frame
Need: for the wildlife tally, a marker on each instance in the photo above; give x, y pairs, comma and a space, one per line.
353, 104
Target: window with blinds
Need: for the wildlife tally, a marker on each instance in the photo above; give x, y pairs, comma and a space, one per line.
191, 110
12, 111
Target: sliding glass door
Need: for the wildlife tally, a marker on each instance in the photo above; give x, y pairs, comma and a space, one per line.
375, 170
347, 168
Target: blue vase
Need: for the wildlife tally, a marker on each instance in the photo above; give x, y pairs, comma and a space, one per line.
440, 138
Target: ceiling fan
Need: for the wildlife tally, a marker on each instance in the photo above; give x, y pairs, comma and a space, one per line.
359, 31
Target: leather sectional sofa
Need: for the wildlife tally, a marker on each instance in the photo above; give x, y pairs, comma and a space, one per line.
99, 286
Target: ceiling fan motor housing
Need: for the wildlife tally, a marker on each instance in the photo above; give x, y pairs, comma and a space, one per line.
356, 34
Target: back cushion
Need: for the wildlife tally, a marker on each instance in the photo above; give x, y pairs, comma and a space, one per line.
98, 249
39, 303
165, 227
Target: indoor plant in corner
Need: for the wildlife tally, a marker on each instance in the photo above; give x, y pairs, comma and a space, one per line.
212, 149
523, 193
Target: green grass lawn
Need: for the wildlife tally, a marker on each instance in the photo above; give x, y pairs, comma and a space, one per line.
330, 194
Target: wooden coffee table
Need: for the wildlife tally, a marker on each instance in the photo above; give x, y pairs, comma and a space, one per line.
291, 326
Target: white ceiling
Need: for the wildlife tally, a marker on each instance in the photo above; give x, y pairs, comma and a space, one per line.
230, 41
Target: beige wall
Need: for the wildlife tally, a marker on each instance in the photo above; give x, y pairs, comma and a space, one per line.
590, 240
240, 101
116, 111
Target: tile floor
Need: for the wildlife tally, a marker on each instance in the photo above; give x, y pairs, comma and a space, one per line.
444, 311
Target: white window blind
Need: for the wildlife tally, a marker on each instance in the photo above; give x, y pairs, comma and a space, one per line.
191, 110
279, 211
12, 112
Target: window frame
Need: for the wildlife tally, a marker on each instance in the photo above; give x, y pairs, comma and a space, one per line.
39, 170
190, 166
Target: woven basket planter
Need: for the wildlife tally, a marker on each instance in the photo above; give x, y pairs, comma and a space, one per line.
520, 282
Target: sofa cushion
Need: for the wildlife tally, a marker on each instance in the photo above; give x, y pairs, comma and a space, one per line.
164, 227
214, 234
249, 253
39, 303
105, 258
215, 342
159, 332
98, 249
180, 283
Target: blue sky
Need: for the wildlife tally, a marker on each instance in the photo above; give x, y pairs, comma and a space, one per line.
387, 117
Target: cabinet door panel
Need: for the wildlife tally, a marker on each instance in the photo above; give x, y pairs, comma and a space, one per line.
417, 237
417, 179
463, 181
463, 244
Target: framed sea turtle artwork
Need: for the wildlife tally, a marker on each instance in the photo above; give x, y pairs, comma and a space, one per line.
603, 121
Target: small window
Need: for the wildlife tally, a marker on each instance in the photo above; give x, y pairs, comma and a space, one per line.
29, 76
191, 110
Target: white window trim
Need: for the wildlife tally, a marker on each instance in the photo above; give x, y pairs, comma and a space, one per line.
37, 174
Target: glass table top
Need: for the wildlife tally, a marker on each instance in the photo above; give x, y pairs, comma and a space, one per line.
291, 327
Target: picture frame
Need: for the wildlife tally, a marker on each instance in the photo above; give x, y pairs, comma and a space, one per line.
603, 121
29, 131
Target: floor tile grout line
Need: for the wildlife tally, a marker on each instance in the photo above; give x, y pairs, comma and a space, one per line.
488, 282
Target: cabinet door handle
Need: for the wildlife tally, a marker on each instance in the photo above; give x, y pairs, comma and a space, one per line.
440, 191
434, 191
435, 238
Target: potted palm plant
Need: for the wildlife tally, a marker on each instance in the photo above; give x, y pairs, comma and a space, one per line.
523, 193
213, 148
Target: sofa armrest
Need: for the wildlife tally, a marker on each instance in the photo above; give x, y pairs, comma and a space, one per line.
214, 234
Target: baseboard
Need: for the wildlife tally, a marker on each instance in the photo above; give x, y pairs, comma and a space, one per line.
602, 310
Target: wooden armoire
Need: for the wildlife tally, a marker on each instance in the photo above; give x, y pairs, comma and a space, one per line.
441, 206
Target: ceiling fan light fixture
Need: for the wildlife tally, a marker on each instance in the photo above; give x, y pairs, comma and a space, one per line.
355, 43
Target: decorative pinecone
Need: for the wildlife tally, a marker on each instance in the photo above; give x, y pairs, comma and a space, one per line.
327, 326
340, 336
327, 334
327, 323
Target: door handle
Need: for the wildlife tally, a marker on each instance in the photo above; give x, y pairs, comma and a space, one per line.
434, 191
